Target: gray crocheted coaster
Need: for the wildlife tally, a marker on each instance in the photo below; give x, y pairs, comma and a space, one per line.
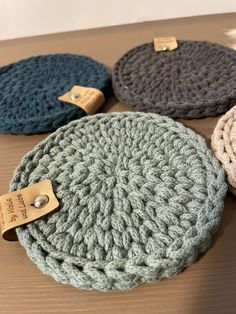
196, 80
140, 197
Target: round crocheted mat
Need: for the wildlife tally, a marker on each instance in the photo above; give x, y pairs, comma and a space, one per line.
140, 197
223, 143
29, 90
196, 80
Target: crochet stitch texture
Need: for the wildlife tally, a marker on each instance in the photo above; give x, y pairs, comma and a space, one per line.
29, 90
224, 145
196, 80
140, 198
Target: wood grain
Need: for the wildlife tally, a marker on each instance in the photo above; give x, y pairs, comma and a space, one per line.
208, 286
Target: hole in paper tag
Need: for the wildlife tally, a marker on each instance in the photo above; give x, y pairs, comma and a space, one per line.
87, 98
165, 43
23, 206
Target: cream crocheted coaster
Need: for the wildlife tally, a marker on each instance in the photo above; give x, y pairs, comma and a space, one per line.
223, 143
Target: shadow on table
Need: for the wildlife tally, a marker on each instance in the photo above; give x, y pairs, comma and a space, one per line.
216, 291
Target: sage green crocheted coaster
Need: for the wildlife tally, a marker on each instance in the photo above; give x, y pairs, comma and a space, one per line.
140, 198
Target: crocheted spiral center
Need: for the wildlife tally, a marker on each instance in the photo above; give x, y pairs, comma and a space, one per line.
126, 195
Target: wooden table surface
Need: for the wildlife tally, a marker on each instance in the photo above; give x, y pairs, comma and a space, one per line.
208, 286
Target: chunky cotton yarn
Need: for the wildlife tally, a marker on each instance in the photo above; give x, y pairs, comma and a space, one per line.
224, 145
196, 80
29, 90
140, 198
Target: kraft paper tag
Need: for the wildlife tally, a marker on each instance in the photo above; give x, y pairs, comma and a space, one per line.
165, 43
23, 206
87, 98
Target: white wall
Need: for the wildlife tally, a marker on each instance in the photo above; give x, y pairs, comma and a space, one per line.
22, 18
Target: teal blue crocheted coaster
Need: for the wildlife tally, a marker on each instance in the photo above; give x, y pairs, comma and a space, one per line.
140, 198
29, 91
